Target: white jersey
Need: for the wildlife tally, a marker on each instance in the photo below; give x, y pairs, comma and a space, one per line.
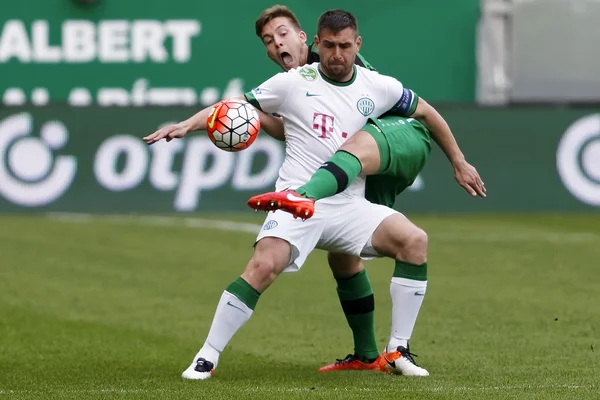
320, 115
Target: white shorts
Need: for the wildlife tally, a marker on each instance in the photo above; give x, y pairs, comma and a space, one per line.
343, 227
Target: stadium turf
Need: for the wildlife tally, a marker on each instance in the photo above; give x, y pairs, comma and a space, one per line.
104, 307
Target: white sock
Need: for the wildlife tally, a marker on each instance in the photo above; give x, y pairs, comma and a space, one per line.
230, 316
407, 296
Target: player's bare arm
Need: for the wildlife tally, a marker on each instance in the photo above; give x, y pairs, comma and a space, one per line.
465, 174
270, 124
176, 131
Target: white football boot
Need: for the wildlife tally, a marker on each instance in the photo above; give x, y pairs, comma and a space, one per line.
199, 370
401, 362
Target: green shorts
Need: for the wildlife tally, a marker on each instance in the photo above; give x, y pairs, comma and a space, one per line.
404, 146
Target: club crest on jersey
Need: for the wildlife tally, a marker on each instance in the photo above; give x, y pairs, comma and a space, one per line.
270, 225
308, 73
365, 106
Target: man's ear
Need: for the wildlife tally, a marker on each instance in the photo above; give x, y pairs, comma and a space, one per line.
358, 42
302, 36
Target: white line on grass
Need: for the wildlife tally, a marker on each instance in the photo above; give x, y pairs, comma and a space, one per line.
150, 220
258, 389
486, 236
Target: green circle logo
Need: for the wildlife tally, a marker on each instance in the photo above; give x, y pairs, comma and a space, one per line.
308, 73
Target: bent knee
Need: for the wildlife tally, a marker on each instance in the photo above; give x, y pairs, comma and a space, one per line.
418, 239
263, 269
267, 262
414, 248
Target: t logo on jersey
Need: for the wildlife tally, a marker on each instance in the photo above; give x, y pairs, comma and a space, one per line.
323, 123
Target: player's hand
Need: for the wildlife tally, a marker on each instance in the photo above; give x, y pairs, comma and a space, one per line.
467, 176
168, 132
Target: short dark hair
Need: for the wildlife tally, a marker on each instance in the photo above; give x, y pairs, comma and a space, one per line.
337, 20
274, 12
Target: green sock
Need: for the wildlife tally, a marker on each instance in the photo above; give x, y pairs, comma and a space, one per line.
333, 177
358, 303
243, 291
407, 270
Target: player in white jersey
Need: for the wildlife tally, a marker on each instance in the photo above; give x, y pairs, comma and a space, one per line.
332, 112
321, 105
279, 31
286, 44
391, 151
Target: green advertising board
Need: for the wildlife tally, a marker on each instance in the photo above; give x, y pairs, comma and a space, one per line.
92, 159
189, 52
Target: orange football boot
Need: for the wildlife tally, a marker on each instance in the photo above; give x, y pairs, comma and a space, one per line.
351, 363
387, 360
287, 200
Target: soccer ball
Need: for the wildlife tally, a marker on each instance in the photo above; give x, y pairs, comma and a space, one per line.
233, 125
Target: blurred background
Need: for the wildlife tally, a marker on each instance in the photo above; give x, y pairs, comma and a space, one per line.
84, 80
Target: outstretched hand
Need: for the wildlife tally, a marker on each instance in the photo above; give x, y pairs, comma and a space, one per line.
467, 176
168, 132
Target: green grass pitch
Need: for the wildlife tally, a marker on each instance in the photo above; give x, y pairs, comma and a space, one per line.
109, 308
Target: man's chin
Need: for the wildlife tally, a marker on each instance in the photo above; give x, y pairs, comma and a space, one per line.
337, 72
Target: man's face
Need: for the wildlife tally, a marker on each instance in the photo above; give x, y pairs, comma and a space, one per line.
284, 43
337, 51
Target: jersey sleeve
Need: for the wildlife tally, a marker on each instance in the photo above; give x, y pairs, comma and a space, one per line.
269, 96
404, 101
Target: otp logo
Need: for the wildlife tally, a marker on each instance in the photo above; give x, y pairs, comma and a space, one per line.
30, 174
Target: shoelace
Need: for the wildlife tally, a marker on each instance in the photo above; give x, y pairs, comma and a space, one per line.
407, 354
203, 365
347, 359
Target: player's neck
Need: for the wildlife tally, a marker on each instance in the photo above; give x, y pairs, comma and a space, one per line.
304, 55
343, 81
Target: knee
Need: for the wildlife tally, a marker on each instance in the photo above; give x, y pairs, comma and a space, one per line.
261, 271
419, 239
364, 147
271, 256
414, 248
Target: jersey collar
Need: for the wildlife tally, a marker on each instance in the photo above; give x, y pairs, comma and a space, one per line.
335, 83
